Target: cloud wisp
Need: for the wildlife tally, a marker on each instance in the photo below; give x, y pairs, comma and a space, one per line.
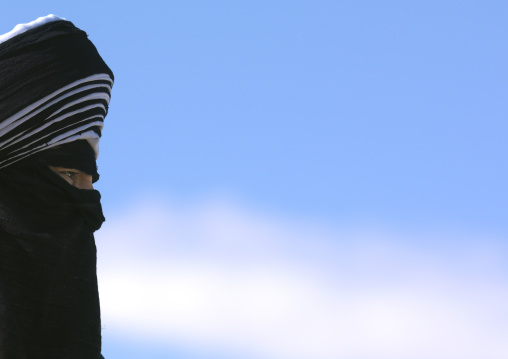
220, 277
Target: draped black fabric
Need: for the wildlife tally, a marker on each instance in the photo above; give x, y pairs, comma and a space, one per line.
54, 95
49, 304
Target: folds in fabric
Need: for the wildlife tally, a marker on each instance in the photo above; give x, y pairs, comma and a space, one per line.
54, 89
49, 302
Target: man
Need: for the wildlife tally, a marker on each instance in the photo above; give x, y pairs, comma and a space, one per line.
54, 95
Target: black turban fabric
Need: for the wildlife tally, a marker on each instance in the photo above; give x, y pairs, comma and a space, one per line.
54, 95
54, 89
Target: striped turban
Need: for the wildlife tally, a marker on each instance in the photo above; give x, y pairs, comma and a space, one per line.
54, 88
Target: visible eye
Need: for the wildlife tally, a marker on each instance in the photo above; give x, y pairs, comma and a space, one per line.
74, 177
68, 174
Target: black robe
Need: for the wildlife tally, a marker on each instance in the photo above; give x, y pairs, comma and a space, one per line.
49, 302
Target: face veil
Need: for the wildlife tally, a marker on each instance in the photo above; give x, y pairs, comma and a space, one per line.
54, 96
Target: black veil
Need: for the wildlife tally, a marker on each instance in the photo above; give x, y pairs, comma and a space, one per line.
49, 303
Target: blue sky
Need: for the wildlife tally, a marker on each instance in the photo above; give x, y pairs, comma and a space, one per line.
323, 140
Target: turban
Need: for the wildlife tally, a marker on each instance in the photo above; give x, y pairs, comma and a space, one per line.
54, 89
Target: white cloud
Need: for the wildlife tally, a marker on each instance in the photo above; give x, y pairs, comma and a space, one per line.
219, 277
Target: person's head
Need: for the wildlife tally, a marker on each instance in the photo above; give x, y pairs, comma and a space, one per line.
54, 95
